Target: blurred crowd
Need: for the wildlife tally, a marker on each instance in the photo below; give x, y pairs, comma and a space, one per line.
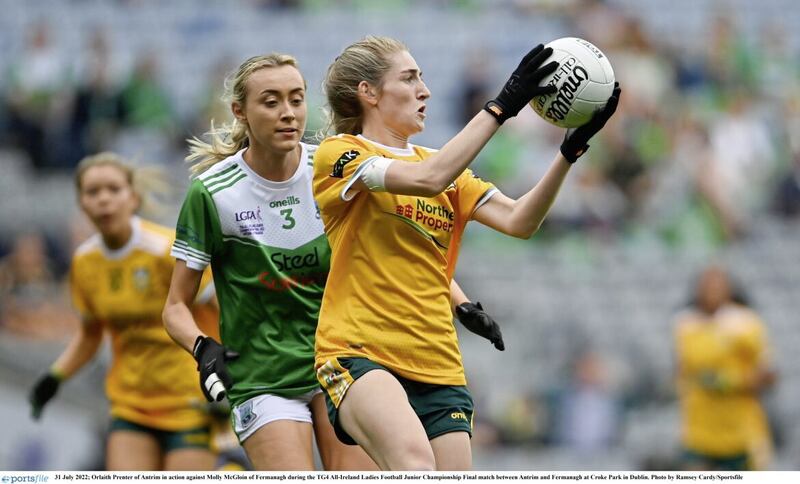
705, 143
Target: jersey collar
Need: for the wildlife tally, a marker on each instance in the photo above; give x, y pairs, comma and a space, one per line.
301, 168
136, 234
407, 151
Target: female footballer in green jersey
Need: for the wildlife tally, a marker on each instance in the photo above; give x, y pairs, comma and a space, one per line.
250, 214
394, 214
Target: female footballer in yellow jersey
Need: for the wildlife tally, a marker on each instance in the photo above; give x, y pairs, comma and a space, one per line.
722, 368
386, 350
119, 280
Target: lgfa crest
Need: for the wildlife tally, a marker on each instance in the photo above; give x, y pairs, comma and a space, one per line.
141, 278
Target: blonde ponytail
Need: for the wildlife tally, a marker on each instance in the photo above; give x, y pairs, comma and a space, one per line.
366, 60
231, 137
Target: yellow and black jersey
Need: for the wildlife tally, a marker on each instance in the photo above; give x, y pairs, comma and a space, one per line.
718, 356
388, 292
152, 381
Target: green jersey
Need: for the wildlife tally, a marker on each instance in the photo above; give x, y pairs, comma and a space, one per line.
270, 258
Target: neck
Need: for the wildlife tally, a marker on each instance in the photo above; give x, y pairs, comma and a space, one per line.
385, 136
272, 165
118, 239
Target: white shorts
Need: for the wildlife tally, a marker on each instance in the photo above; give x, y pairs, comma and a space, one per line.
263, 409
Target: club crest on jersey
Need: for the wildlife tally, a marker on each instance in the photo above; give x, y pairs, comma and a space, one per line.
141, 278
246, 414
338, 167
189, 234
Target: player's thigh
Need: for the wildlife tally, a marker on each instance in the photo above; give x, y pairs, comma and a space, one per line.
189, 459
188, 450
276, 431
376, 413
453, 452
335, 455
130, 450
281, 445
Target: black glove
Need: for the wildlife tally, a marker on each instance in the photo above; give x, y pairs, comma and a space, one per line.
44, 390
473, 317
576, 140
523, 85
211, 358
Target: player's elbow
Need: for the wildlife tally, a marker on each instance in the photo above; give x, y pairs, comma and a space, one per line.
429, 190
429, 180
522, 229
523, 234
167, 315
433, 185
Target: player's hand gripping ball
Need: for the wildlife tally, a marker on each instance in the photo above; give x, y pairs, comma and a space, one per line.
584, 81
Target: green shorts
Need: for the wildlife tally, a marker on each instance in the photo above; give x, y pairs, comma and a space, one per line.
738, 462
196, 438
441, 408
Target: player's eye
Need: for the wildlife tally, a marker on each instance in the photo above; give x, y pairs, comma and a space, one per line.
271, 103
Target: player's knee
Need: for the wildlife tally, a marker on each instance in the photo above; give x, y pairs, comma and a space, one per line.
413, 456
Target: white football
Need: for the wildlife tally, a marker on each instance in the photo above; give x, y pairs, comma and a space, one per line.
584, 80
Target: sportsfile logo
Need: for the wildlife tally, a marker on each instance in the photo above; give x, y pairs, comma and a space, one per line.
12, 479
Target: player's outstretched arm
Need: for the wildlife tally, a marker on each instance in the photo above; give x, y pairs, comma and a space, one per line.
81, 349
180, 324
523, 217
433, 175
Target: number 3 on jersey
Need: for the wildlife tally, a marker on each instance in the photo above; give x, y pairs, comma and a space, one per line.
287, 215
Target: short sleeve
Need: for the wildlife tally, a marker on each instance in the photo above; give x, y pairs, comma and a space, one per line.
338, 163
198, 233
79, 300
472, 193
752, 342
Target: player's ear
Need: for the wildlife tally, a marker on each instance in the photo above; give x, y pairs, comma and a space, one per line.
238, 111
137, 201
367, 93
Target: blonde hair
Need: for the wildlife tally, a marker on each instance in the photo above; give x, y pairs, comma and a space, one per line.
148, 182
232, 137
366, 60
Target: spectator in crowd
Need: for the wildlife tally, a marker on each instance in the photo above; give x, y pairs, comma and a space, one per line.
31, 298
587, 414
97, 107
36, 93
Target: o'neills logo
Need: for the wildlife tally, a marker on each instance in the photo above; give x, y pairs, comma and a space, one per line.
575, 76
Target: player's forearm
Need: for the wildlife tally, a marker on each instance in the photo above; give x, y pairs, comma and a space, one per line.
432, 176
81, 349
530, 210
457, 295
180, 324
